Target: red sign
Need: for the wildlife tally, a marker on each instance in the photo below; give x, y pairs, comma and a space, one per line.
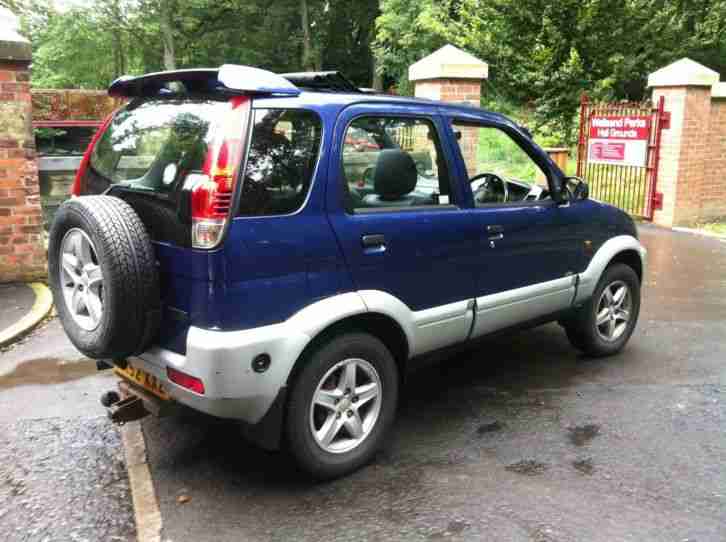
620, 127
620, 140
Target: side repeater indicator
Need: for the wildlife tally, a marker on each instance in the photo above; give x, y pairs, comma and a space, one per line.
588, 247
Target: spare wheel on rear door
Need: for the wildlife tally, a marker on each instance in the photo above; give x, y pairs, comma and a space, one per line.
103, 274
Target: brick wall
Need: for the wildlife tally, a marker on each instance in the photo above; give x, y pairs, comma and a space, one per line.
22, 254
692, 170
463, 91
713, 201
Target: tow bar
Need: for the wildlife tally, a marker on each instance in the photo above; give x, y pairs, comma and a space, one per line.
127, 410
132, 404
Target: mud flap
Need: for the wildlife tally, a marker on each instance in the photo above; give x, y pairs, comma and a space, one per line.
267, 433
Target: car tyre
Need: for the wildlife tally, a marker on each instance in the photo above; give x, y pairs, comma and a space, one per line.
325, 375
603, 325
102, 272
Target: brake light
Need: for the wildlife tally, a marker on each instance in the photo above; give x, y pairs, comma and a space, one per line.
78, 184
211, 193
185, 381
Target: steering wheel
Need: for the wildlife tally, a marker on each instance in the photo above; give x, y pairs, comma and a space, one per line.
492, 190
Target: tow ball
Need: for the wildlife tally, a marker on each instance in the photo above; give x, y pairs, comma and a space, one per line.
123, 410
131, 403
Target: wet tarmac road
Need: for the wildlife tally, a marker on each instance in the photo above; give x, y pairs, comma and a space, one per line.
62, 476
517, 439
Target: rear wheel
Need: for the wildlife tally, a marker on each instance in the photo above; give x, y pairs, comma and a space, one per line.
604, 324
342, 405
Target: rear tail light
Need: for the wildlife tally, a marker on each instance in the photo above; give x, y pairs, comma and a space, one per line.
185, 381
211, 193
78, 184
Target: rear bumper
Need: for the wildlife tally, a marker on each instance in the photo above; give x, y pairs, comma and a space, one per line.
223, 361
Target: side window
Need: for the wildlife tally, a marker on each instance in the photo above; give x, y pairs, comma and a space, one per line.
281, 161
391, 162
499, 170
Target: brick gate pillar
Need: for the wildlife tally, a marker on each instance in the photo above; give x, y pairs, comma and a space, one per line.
22, 253
452, 75
685, 176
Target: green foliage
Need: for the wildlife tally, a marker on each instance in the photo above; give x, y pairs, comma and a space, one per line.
89, 46
48, 133
542, 53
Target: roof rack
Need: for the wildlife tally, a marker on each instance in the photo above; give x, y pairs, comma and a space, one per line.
331, 81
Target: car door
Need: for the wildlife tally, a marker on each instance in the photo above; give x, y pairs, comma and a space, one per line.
528, 248
397, 212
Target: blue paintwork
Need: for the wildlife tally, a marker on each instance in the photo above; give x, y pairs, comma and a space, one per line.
268, 268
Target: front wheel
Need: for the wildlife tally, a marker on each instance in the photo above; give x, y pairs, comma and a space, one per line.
604, 324
342, 405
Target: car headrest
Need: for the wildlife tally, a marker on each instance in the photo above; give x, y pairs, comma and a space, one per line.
395, 174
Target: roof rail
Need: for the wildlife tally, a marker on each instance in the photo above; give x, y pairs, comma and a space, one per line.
331, 81
230, 78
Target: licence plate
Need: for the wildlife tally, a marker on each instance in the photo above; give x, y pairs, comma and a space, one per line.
141, 378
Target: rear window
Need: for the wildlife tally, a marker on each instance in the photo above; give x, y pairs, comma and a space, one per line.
152, 146
281, 161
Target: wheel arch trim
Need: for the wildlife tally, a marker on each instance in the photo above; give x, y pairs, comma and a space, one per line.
609, 250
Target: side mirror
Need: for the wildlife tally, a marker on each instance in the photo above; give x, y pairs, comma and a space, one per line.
582, 190
574, 189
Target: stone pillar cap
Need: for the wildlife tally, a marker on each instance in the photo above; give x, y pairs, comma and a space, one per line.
13, 46
449, 62
718, 90
681, 73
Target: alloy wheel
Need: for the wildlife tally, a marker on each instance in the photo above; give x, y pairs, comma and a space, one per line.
614, 311
81, 279
346, 405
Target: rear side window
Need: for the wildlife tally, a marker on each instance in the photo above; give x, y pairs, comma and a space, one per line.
152, 146
281, 162
392, 163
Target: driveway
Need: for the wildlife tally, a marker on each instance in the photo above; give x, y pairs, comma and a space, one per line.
62, 472
519, 438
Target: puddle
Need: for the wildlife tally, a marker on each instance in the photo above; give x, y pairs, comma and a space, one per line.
453, 528
582, 434
528, 467
584, 466
489, 428
47, 371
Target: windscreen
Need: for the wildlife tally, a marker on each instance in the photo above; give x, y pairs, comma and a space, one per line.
152, 146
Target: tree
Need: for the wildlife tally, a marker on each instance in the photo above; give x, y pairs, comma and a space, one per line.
544, 54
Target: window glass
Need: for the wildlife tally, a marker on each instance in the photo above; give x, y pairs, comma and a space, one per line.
499, 170
141, 142
394, 162
281, 161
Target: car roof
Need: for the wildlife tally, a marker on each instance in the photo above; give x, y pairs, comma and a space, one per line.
340, 100
317, 90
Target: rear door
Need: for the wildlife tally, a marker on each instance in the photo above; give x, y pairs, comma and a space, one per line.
397, 213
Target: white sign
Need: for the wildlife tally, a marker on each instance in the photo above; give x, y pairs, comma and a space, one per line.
620, 140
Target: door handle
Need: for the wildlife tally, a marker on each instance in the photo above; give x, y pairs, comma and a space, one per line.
496, 232
371, 241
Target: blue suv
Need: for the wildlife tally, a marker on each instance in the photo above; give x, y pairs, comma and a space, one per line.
281, 249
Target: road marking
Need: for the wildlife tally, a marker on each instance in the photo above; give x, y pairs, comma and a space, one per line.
146, 507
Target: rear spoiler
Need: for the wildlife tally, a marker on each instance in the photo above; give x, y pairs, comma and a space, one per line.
230, 78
